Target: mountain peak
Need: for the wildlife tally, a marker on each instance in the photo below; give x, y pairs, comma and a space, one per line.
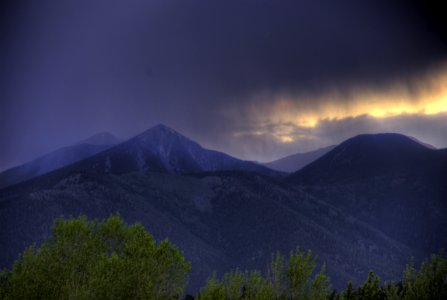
160, 135
369, 155
163, 128
160, 129
382, 135
389, 142
162, 149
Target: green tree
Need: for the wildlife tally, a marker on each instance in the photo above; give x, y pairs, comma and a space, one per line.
301, 267
349, 292
370, 289
295, 280
3, 283
213, 290
393, 291
429, 282
98, 260
238, 285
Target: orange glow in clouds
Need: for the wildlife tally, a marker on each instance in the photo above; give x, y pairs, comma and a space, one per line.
426, 97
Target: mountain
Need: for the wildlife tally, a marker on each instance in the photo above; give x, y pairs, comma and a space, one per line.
220, 220
222, 212
295, 162
58, 159
422, 143
390, 181
162, 149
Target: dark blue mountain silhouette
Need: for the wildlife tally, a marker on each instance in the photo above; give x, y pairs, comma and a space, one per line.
162, 149
390, 181
370, 155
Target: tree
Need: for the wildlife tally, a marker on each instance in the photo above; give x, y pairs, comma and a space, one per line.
349, 293
98, 260
299, 281
238, 285
294, 280
370, 289
430, 282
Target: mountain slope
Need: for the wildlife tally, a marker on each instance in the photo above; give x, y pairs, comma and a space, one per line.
295, 162
57, 159
221, 220
389, 181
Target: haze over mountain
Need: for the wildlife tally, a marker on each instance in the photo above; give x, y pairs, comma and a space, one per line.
58, 158
294, 162
225, 213
102, 138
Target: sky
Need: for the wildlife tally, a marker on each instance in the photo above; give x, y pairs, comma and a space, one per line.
257, 79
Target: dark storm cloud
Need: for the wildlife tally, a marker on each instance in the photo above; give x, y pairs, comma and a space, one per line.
73, 68
236, 47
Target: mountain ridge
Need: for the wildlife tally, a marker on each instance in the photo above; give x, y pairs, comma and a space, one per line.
295, 162
57, 159
162, 149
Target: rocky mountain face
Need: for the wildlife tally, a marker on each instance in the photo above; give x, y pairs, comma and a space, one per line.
225, 213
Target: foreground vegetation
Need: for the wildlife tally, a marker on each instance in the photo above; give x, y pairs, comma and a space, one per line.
295, 280
111, 260
97, 260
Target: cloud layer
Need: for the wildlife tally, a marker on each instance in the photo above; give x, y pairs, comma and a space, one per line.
275, 140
